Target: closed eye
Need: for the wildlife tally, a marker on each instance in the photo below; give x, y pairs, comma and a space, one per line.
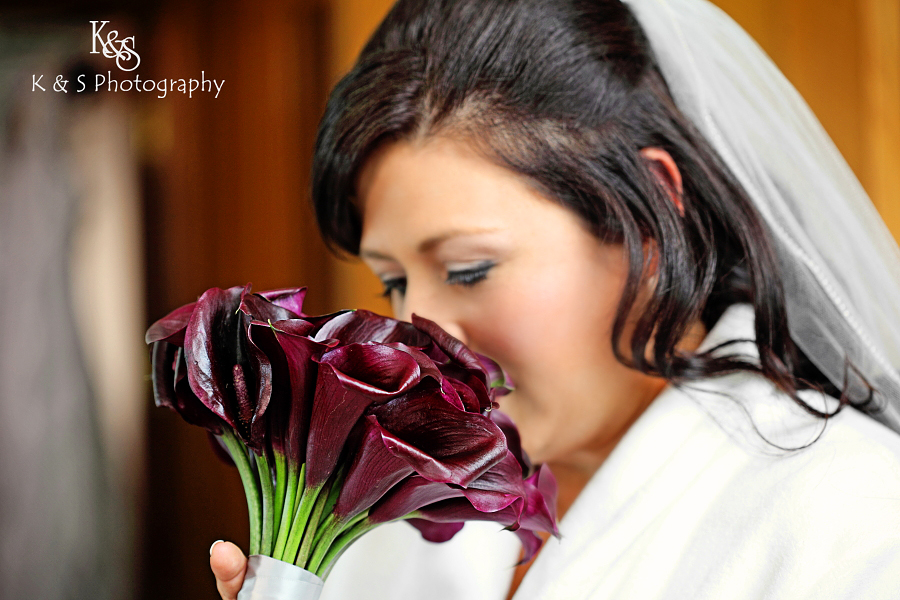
470, 276
397, 284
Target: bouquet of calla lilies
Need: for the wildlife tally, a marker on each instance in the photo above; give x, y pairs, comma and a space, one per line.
339, 423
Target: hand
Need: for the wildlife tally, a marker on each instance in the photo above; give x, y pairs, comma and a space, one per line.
229, 565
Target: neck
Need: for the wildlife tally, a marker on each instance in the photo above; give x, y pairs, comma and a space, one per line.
574, 471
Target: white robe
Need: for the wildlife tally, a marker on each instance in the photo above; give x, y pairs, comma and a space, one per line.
692, 503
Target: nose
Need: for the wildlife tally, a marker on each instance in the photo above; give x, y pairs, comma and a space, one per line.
434, 306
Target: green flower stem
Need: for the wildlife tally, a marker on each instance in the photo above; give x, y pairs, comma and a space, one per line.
251, 486
330, 530
310, 535
280, 488
327, 526
300, 522
290, 504
344, 525
352, 522
268, 504
334, 492
337, 484
349, 535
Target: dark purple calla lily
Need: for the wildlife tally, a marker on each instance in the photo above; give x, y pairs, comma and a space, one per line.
171, 327
288, 298
374, 471
458, 362
350, 380
360, 326
513, 440
439, 510
436, 532
539, 512
293, 357
500, 494
258, 309
498, 488
455, 511
449, 347
500, 382
440, 441
410, 495
171, 389
420, 432
226, 370
229, 373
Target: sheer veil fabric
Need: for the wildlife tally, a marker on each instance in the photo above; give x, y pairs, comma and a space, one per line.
840, 264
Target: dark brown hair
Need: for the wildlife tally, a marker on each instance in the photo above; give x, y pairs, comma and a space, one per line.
566, 93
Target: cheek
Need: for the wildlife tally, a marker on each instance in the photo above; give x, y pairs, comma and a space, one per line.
549, 325
551, 331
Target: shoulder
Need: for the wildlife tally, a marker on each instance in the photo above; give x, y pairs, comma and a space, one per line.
845, 508
848, 455
820, 497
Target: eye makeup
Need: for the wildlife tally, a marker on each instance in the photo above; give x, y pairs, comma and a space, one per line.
471, 275
396, 284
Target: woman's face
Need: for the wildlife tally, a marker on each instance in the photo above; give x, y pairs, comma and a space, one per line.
470, 245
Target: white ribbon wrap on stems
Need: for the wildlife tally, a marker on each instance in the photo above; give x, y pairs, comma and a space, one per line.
271, 579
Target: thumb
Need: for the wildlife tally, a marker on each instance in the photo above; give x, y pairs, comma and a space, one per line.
229, 565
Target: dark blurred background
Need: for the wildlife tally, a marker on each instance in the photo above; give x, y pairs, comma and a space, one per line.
116, 207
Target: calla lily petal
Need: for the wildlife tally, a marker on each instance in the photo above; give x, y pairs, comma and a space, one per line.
171, 327
472, 394
360, 326
436, 532
531, 543
513, 440
258, 308
498, 487
497, 377
427, 367
441, 442
539, 512
451, 347
209, 369
409, 495
373, 472
288, 298
229, 374
456, 510
350, 380
171, 390
293, 370
294, 327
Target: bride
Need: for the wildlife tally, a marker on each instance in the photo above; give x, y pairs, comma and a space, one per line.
630, 209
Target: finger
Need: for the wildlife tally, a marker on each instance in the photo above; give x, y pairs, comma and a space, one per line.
229, 565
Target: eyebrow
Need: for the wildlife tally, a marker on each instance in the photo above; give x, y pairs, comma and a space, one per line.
429, 244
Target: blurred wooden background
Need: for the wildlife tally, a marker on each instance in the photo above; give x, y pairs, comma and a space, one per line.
225, 187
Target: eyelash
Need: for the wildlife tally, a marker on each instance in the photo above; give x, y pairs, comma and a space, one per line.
393, 284
465, 278
469, 277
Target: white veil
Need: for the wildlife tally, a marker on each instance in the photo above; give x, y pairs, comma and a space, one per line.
840, 264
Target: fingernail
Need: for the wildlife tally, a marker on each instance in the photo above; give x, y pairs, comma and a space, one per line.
214, 545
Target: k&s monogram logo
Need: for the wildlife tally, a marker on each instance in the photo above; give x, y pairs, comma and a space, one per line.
115, 48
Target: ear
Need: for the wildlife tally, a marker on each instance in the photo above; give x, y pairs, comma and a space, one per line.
667, 173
